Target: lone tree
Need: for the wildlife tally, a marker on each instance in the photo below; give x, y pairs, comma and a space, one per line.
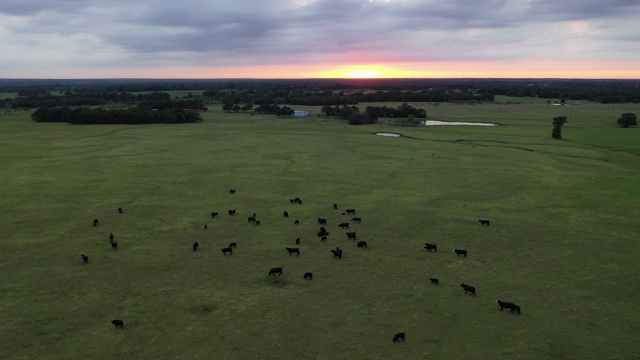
556, 133
628, 119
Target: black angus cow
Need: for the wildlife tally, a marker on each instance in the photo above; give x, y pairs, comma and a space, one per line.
324, 238
196, 245
298, 241
232, 191
293, 201
322, 233
351, 236
362, 244
251, 219
285, 214
399, 337
227, 250
296, 222
275, 271
335, 206
434, 281
214, 214
205, 226
322, 229
232, 212
344, 225
257, 222
118, 324
350, 211
120, 210
508, 305
468, 289
232, 245
308, 276
460, 252
430, 247
111, 237
484, 222
85, 258
96, 222
337, 253
293, 250
322, 221
356, 220
114, 245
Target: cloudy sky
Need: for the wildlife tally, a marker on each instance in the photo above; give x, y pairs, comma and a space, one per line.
319, 38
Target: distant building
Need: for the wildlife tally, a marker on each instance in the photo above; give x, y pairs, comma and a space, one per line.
300, 113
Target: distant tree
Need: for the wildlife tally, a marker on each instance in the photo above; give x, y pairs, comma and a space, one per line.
248, 107
226, 107
356, 119
236, 108
328, 110
556, 133
285, 111
628, 119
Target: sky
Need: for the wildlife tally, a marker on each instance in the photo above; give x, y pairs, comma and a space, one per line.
320, 39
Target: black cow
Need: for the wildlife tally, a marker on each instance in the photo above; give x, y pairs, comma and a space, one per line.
322, 229
350, 211
114, 245
196, 245
308, 276
324, 238
96, 222
257, 222
296, 222
335, 206
293, 250
344, 225
293, 201
118, 324
337, 253
399, 337
205, 226
298, 241
322, 221
356, 220
232, 212
232, 191
275, 271
351, 236
484, 222
286, 214
227, 250
362, 244
120, 210
508, 305
430, 247
111, 237
85, 258
251, 219
322, 234
232, 245
460, 252
468, 289
214, 214
434, 281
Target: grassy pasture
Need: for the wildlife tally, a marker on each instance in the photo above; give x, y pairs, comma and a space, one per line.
563, 242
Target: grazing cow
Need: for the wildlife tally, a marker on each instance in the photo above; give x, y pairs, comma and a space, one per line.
356, 220
205, 226
275, 271
227, 250
460, 252
195, 246
335, 206
308, 276
118, 324
322, 229
232, 191
399, 337
468, 289
324, 238
484, 222
344, 225
434, 281
350, 211
322, 233
232, 212
285, 214
508, 305
85, 258
322, 221
95, 222
114, 245
337, 253
298, 241
214, 214
362, 244
296, 222
120, 210
351, 236
232, 245
293, 201
257, 222
430, 247
293, 250
251, 219
111, 237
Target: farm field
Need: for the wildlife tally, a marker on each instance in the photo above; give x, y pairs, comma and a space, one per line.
563, 241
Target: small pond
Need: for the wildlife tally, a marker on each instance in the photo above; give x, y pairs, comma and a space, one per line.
388, 134
455, 123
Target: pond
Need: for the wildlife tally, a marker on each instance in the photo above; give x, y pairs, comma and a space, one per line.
388, 134
455, 123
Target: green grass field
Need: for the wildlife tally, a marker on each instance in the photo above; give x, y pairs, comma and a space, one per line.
563, 241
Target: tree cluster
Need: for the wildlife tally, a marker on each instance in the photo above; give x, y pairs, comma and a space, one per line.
627, 120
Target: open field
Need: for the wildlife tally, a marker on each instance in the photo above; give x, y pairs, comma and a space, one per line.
563, 241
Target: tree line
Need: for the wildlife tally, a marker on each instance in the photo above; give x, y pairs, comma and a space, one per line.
86, 115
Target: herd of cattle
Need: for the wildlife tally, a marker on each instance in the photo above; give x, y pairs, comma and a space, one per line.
337, 252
